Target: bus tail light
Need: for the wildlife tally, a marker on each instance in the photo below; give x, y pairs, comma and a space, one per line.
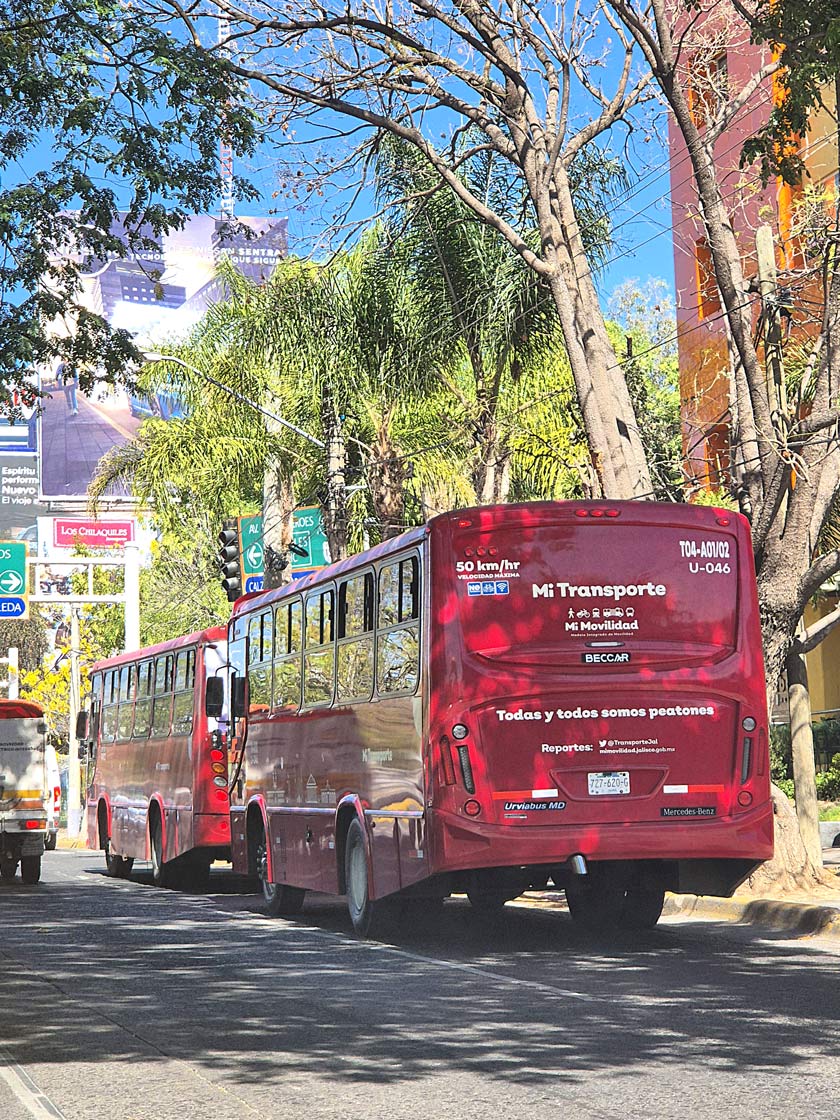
745, 798
220, 782
446, 761
466, 769
31, 825
221, 794
472, 807
56, 799
216, 755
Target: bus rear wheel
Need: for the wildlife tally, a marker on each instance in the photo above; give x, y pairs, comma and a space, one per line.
281, 900
161, 872
643, 907
375, 918
8, 869
30, 868
118, 867
596, 907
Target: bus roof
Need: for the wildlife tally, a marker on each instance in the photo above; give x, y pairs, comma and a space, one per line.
517, 513
199, 637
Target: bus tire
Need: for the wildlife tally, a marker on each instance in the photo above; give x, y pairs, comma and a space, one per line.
196, 874
598, 908
8, 869
50, 842
281, 900
118, 867
488, 903
643, 907
374, 918
30, 868
161, 872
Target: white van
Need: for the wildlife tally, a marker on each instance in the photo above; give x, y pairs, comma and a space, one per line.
23, 783
52, 801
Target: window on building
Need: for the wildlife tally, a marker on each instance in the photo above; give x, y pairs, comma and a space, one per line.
708, 85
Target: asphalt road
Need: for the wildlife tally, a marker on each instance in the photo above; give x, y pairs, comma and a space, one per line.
124, 1002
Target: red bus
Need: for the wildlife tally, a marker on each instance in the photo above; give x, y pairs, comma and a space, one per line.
157, 763
509, 698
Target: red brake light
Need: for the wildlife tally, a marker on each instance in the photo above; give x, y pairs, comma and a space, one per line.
472, 808
464, 523
596, 513
612, 513
481, 551
722, 520
581, 513
216, 755
31, 825
221, 794
468, 552
493, 550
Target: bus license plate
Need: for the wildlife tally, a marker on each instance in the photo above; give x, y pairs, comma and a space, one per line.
613, 781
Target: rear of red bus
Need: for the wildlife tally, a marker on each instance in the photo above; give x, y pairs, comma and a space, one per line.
597, 714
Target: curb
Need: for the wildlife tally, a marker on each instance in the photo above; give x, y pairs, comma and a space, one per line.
803, 918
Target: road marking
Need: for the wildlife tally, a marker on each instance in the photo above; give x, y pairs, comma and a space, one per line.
33, 1099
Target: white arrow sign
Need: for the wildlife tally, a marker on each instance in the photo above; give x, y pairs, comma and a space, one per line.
11, 583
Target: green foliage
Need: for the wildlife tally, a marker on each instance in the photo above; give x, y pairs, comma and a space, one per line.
645, 331
132, 118
806, 33
828, 781
780, 758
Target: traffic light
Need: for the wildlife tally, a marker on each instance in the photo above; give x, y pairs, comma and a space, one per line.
229, 559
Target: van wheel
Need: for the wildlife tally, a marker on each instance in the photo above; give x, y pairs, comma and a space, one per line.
51, 842
8, 869
118, 867
30, 868
375, 918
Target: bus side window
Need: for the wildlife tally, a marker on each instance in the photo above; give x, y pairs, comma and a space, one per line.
109, 707
182, 708
259, 654
95, 703
143, 703
287, 647
162, 705
354, 654
125, 719
319, 650
398, 628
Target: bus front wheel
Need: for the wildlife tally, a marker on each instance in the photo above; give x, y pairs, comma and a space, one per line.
161, 874
376, 918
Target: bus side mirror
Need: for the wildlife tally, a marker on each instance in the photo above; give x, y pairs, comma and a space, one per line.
214, 697
82, 725
239, 697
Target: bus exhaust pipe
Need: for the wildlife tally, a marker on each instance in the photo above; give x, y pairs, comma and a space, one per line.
577, 865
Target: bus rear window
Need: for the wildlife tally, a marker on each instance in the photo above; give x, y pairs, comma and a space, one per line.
568, 589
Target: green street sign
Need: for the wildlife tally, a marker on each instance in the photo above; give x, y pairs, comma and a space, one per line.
311, 550
14, 586
309, 536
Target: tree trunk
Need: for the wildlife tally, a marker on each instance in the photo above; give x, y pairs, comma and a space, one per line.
790, 870
802, 749
277, 514
386, 479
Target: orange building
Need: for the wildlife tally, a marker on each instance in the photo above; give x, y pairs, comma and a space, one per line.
720, 62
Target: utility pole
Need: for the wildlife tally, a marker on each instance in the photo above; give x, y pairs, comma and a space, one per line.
74, 776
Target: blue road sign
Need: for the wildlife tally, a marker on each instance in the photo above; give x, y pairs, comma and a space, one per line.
12, 606
253, 583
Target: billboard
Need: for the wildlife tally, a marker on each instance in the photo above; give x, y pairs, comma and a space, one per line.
50, 450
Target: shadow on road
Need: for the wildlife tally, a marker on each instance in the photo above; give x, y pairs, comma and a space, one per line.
101, 970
